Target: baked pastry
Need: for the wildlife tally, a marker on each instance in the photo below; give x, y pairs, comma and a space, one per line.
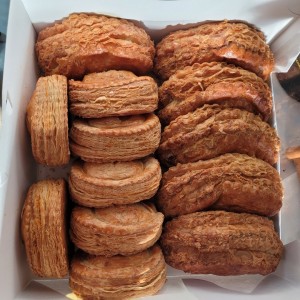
118, 277
231, 41
87, 43
112, 93
212, 130
44, 228
115, 138
222, 243
121, 229
233, 182
47, 121
106, 184
214, 82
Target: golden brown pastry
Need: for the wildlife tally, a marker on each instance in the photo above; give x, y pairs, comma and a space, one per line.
47, 121
231, 41
233, 182
212, 130
106, 184
118, 277
214, 82
84, 43
44, 228
222, 243
121, 229
112, 93
115, 138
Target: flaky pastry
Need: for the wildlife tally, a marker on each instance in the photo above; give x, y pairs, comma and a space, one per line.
87, 43
231, 41
112, 93
44, 228
233, 182
214, 82
222, 243
212, 130
47, 121
106, 184
115, 138
120, 229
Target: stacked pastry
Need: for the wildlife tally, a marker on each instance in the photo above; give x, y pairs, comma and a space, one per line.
114, 133
215, 103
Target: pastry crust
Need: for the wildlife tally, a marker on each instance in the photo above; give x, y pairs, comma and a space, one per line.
222, 243
44, 228
233, 182
118, 277
47, 121
115, 138
212, 130
112, 93
234, 42
87, 43
121, 229
106, 184
215, 82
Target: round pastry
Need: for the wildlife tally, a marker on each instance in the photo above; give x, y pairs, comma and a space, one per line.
112, 93
233, 182
115, 138
222, 243
44, 228
118, 277
231, 41
47, 121
106, 184
84, 43
121, 229
214, 82
212, 130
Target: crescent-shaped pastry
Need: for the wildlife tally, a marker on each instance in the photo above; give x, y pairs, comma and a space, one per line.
47, 121
105, 184
44, 228
115, 138
118, 277
230, 41
215, 82
233, 182
222, 243
121, 229
112, 93
84, 43
212, 130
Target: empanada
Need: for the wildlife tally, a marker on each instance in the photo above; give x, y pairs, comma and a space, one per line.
87, 43
230, 41
222, 243
233, 182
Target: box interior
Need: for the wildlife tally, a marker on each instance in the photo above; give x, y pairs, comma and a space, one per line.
18, 170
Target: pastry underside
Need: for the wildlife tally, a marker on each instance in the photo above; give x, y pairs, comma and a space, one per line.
222, 243
87, 43
118, 277
232, 182
105, 184
44, 228
215, 82
212, 130
112, 93
47, 121
115, 138
121, 229
232, 42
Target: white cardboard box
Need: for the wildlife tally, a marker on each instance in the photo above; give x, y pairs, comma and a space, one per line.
17, 169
